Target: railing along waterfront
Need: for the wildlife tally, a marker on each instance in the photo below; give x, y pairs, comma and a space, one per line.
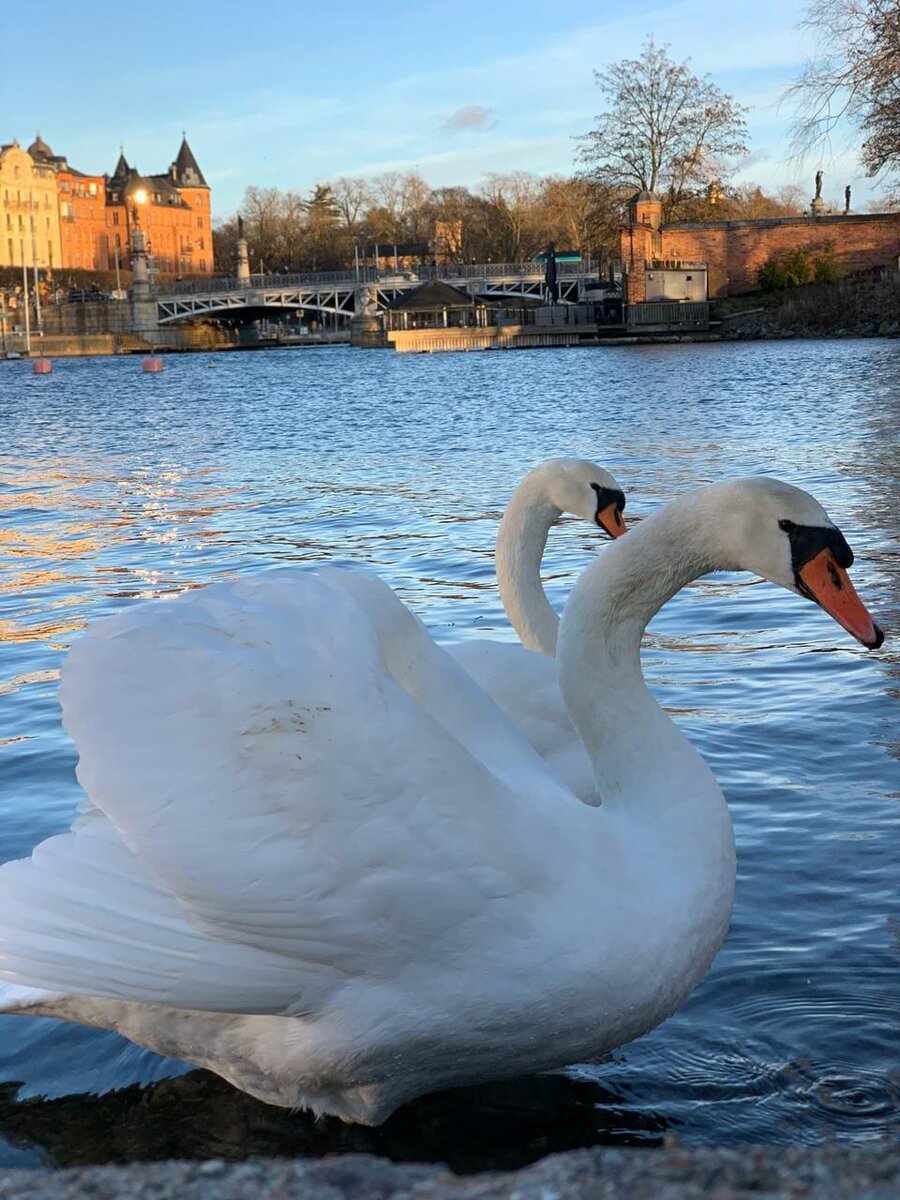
421, 273
665, 312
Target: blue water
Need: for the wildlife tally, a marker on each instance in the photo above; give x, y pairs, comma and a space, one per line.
116, 486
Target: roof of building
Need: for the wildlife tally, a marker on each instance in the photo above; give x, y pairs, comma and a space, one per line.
40, 150
645, 197
122, 169
185, 171
434, 294
164, 191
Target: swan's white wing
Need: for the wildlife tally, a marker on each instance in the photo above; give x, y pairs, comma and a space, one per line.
525, 685
83, 915
289, 759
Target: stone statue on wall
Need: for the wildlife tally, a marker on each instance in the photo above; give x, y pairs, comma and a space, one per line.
240, 226
818, 185
847, 198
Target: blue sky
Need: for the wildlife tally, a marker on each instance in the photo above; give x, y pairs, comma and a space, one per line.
297, 93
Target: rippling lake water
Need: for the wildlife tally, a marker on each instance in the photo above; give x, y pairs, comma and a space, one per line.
117, 486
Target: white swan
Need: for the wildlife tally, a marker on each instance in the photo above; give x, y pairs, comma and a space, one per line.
320, 861
522, 679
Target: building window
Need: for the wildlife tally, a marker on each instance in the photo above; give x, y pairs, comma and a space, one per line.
202, 264
63, 185
199, 222
200, 243
116, 221
92, 188
198, 200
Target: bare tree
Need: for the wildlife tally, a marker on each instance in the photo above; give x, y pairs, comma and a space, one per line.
855, 77
579, 214
352, 196
388, 207
456, 218
665, 130
225, 238
414, 197
262, 211
292, 240
512, 211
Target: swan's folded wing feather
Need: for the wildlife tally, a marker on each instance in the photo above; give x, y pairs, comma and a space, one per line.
261, 750
83, 916
525, 685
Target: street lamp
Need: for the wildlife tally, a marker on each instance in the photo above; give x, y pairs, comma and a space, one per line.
134, 202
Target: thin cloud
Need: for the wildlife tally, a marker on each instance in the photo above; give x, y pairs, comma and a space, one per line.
469, 116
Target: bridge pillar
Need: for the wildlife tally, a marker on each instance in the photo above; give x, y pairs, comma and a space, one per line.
367, 326
144, 314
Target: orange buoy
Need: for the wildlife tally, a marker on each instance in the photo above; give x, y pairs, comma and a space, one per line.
41, 366
152, 365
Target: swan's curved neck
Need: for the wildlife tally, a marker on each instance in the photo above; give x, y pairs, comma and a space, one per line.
629, 738
520, 547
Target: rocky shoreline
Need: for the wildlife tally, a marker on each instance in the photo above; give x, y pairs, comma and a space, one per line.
867, 307
829, 1172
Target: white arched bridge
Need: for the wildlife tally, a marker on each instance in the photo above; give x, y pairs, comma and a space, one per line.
343, 293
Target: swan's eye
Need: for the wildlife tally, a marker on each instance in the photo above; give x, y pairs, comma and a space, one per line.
606, 496
808, 541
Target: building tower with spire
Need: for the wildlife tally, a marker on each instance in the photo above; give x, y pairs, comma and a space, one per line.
172, 211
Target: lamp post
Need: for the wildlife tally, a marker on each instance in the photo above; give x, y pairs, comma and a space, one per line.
133, 205
140, 278
37, 289
25, 296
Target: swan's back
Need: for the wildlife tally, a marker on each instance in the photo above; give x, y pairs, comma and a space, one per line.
292, 786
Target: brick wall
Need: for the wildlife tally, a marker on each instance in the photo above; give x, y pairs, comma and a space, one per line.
734, 250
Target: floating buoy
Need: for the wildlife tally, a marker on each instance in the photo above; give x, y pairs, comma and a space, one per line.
41, 366
152, 365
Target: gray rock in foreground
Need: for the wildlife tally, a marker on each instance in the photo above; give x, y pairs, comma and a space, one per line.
772, 1173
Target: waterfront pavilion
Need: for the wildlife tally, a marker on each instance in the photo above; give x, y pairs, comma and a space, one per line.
437, 305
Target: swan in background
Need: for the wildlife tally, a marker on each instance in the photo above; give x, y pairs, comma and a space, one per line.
317, 859
560, 485
522, 679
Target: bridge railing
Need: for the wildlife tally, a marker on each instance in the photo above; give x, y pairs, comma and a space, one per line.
422, 273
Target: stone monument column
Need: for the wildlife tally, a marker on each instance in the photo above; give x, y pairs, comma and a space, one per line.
243, 255
144, 317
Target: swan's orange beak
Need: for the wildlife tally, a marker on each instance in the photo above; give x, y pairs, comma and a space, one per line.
611, 519
826, 582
